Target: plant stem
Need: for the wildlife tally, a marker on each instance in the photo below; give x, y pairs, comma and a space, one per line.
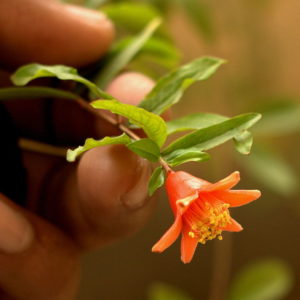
165, 165
122, 127
59, 151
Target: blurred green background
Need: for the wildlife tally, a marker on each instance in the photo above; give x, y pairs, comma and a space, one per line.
260, 40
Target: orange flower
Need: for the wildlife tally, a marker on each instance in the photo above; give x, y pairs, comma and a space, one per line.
201, 210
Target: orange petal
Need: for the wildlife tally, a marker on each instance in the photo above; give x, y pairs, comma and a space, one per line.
226, 183
183, 204
188, 247
234, 226
169, 237
237, 197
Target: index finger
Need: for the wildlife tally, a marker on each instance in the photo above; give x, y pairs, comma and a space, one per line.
50, 32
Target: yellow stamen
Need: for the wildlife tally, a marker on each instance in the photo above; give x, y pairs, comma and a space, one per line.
209, 225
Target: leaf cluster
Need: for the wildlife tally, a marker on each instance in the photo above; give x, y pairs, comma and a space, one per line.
205, 130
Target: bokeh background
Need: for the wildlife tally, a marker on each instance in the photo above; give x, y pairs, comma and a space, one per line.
261, 41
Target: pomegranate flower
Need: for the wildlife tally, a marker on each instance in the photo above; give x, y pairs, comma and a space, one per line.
201, 210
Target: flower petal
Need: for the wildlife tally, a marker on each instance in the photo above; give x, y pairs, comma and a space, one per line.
233, 226
237, 197
169, 237
183, 204
226, 183
181, 185
188, 247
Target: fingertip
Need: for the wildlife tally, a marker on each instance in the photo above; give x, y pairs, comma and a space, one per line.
96, 33
112, 184
130, 87
50, 32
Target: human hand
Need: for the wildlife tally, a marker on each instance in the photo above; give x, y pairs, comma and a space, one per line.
69, 208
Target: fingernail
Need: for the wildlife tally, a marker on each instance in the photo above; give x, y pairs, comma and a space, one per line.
88, 14
16, 233
136, 197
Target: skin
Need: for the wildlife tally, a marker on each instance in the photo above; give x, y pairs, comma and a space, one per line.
80, 207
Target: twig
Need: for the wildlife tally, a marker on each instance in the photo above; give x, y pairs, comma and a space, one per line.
39, 147
42, 148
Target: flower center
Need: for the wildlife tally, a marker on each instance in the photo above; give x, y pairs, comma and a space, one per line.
207, 220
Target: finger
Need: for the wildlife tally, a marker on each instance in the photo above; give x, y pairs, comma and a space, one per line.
51, 32
37, 261
72, 128
130, 88
105, 198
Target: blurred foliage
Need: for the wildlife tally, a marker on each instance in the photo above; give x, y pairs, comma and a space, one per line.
162, 291
271, 169
281, 117
120, 57
269, 279
198, 12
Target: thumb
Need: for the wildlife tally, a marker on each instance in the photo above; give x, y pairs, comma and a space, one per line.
37, 261
51, 32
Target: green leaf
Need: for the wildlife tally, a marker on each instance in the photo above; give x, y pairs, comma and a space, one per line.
91, 143
179, 157
243, 142
199, 13
153, 125
169, 89
155, 50
131, 16
162, 52
117, 62
35, 92
269, 279
194, 121
145, 148
162, 291
29, 72
209, 137
271, 170
279, 118
156, 181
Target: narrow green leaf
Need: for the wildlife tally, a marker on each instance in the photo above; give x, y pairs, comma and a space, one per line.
169, 89
243, 142
272, 170
194, 121
131, 17
29, 72
182, 156
155, 50
119, 60
91, 143
162, 52
162, 291
35, 92
279, 118
153, 125
269, 279
209, 137
145, 148
156, 181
